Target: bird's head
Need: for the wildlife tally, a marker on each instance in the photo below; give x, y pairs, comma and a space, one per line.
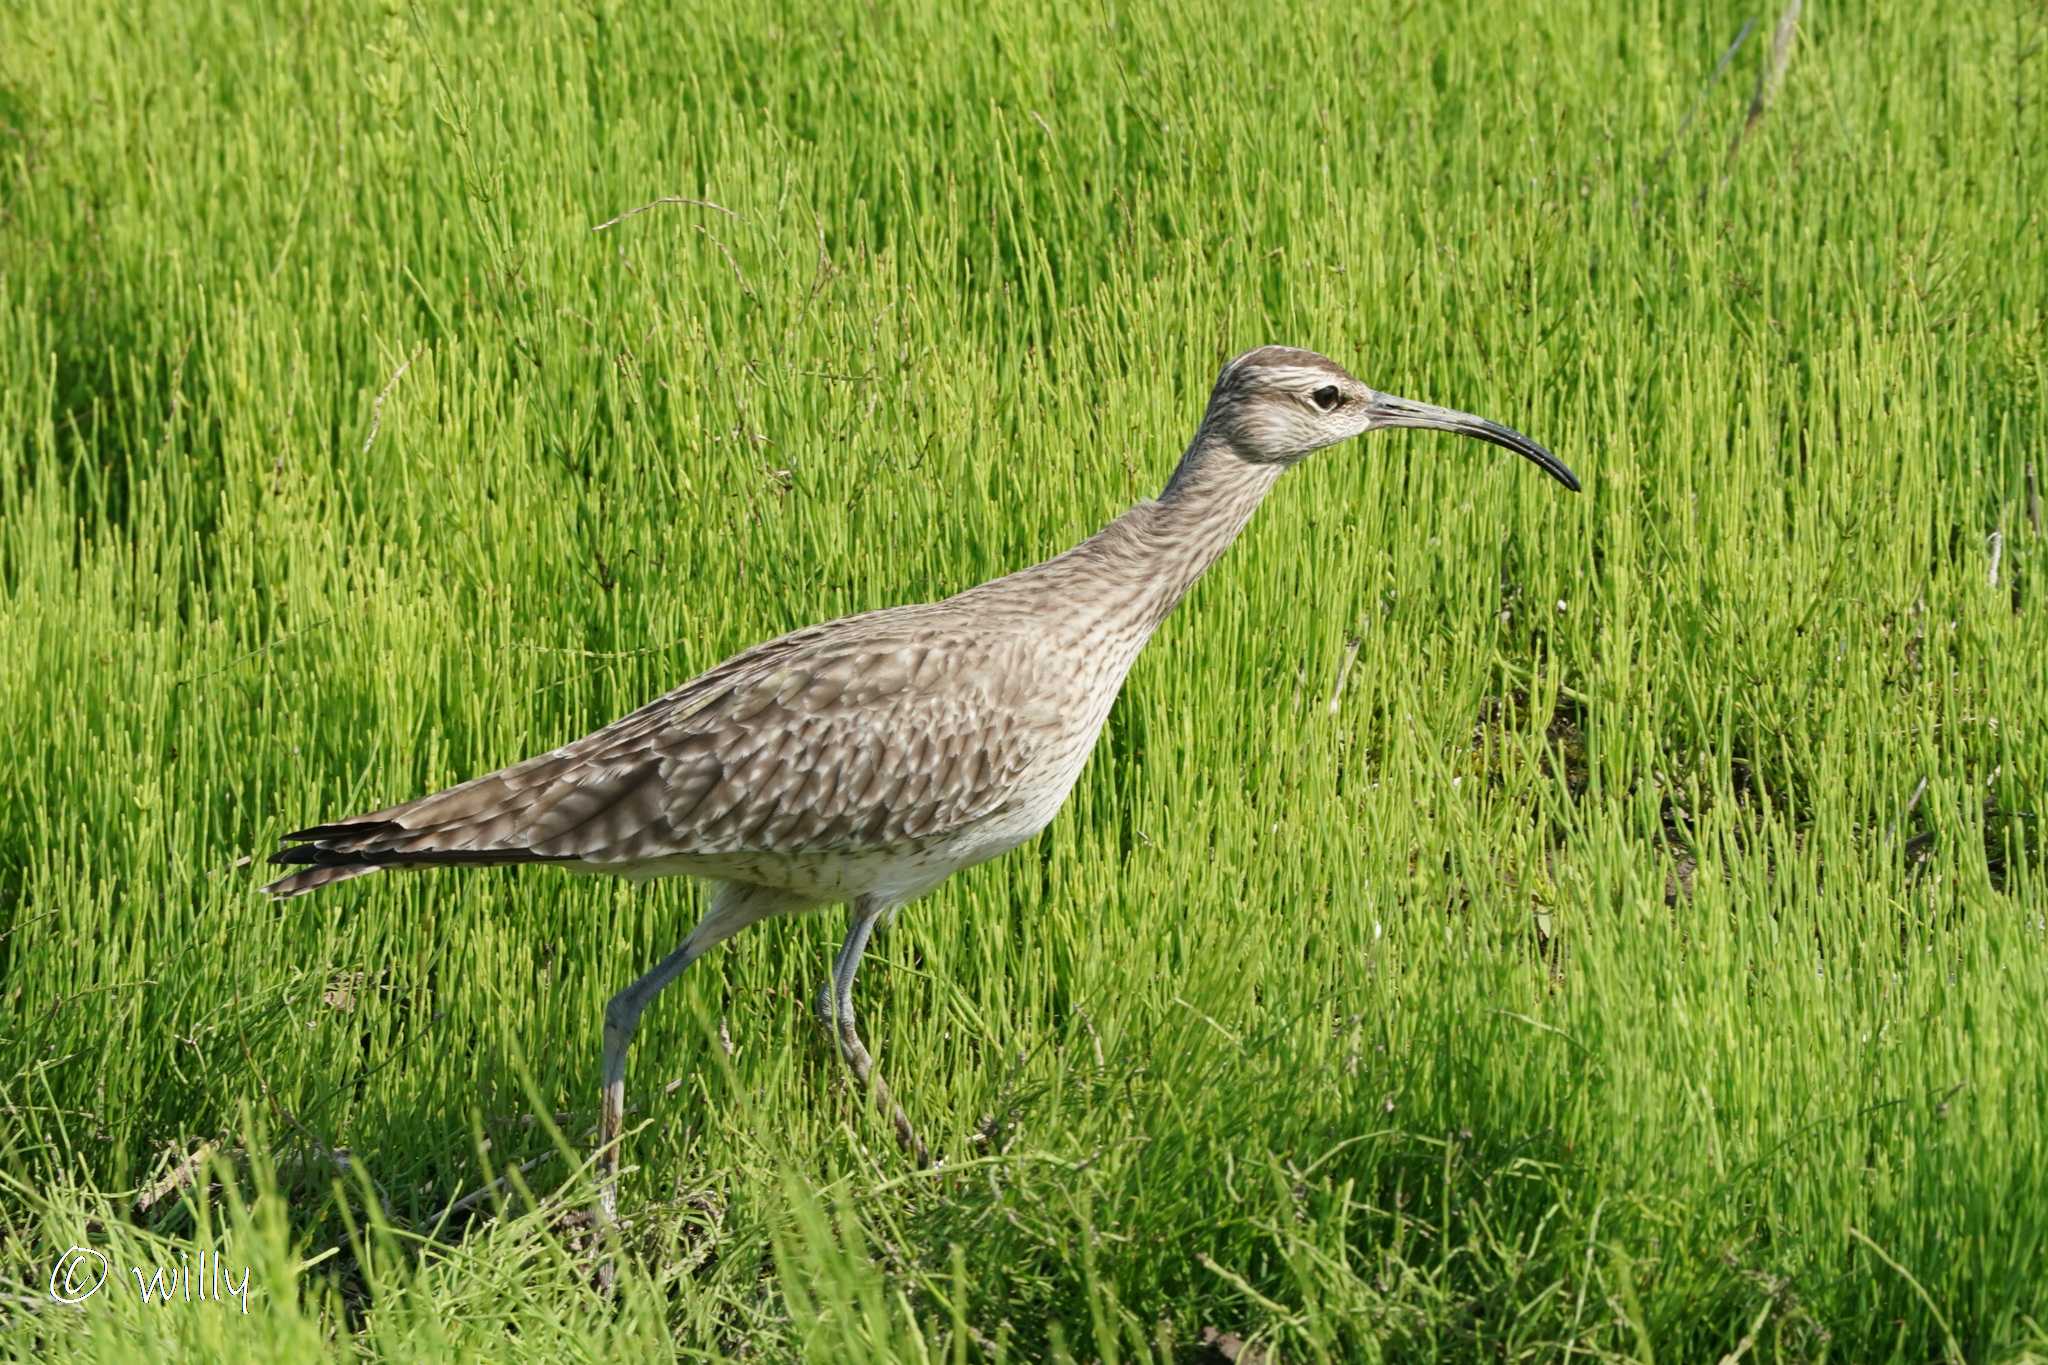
1277, 404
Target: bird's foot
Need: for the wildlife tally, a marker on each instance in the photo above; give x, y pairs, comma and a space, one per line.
906, 1136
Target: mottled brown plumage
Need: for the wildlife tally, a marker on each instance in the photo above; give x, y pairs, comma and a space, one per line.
867, 759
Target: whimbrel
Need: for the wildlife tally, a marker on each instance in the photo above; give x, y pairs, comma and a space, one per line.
868, 759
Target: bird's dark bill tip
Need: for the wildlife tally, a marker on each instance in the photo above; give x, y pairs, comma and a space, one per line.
1557, 469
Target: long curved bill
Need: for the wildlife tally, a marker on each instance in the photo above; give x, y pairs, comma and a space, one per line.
1385, 410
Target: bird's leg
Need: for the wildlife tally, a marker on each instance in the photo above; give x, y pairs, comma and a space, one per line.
838, 994
621, 1017
733, 908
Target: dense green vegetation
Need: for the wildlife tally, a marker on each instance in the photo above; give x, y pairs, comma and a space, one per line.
1496, 926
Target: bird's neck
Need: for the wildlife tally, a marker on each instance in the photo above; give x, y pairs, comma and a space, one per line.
1130, 575
1212, 494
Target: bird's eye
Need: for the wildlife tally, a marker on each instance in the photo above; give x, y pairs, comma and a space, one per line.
1327, 398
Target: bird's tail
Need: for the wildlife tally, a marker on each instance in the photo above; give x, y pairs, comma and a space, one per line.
481, 823
312, 879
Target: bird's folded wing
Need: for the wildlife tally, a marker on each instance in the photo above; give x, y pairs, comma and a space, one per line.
830, 739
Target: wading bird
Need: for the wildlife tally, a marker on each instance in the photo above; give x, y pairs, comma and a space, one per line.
868, 759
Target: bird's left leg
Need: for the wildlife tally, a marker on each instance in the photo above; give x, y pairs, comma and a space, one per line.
835, 1007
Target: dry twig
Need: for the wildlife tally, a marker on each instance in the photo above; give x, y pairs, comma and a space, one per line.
667, 199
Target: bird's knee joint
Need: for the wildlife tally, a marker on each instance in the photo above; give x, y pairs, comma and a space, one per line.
620, 1018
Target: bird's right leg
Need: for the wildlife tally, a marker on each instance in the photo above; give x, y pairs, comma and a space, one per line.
733, 908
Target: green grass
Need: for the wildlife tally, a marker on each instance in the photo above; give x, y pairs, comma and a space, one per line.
1644, 957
